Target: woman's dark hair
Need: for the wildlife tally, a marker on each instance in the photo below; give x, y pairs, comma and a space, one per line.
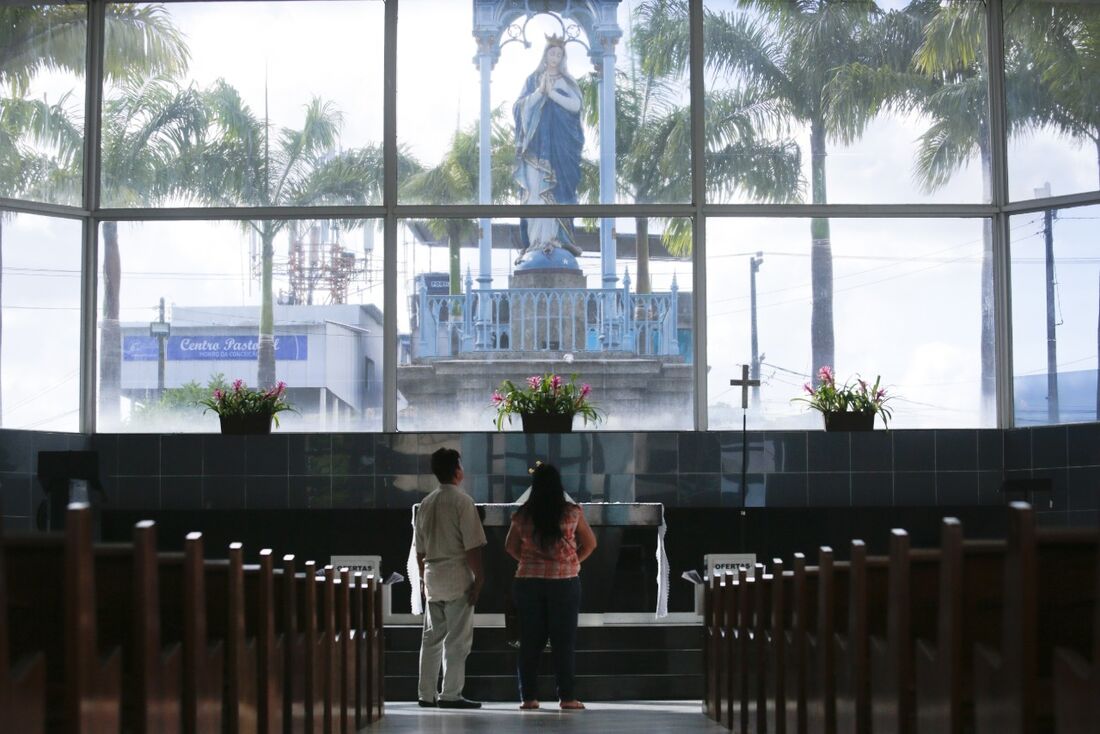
546, 505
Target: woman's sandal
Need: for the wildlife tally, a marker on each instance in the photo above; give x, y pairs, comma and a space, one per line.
571, 705
529, 705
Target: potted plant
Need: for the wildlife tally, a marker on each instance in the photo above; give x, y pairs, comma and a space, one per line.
243, 410
546, 405
848, 407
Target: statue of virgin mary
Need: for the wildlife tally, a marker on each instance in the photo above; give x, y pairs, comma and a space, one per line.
549, 139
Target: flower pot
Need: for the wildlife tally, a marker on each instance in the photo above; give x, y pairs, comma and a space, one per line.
849, 421
245, 425
547, 422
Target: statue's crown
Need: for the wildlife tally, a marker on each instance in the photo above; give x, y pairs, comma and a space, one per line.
554, 40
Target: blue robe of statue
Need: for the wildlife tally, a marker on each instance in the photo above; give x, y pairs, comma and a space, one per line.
549, 140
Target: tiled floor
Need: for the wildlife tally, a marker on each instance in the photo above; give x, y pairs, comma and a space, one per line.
652, 717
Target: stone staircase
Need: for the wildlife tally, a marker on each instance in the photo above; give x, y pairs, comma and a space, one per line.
615, 663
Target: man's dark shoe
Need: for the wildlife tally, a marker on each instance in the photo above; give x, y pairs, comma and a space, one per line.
462, 703
425, 704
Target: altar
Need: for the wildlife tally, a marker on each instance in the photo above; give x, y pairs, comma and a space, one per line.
609, 520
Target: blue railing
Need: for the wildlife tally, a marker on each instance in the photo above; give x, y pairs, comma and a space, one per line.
576, 320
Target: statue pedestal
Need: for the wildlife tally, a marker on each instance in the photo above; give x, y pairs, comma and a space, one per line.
550, 314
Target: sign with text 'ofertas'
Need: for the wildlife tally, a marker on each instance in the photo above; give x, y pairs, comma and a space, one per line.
200, 347
726, 562
367, 565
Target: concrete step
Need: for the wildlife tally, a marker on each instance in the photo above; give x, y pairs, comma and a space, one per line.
614, 663
588, 688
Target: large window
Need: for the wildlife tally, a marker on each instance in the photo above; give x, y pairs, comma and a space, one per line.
623, 325
40, 330
905, 298
43, 52
182, 313
1055, 312
837, 187
838, 102
1053, 99
451, 80
245, 104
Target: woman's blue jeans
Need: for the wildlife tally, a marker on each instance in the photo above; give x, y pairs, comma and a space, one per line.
547, 608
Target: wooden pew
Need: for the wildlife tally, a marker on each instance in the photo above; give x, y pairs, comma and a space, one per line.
758, 663
183, 605
294, 649
866, 612
22, 682
722, 648
969, 602
802, 622
226, 621
129, 616
1077, 681
345, 647
329, 654
710, 647
1048, 601
378, 650
360, 651
52, 609
832, 615
259, 594
309, 590
775, 678
911, 614
741, 610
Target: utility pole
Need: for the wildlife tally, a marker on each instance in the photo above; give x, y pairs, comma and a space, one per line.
1052, 337
160, 329
754, 265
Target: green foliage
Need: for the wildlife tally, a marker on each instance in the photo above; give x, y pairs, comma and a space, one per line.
240, 400
857, 397
175, 403
546, 394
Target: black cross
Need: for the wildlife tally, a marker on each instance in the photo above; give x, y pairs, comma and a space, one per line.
745, 383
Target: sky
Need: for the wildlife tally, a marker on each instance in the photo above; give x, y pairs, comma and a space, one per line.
907, 292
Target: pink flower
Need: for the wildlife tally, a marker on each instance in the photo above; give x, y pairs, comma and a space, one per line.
808, 388
585, 389
825, 374
880, 394
219, 394
238, 384
555, 382
534, 382
497, 397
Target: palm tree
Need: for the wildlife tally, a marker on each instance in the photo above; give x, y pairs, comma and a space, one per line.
950, 90
454, 180
653, 141
27, 128
237, 163
789, 53
140, 41
149, 128
53, 37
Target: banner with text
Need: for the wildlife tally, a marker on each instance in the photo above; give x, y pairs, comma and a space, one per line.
200, 347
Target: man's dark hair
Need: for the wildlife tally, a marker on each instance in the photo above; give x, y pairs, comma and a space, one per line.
445, 465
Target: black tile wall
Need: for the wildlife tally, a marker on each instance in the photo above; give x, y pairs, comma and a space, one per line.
1048, 447
689, 469
829, 452
956, 451
915, 451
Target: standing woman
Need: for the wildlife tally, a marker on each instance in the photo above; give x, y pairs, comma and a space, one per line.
550, 538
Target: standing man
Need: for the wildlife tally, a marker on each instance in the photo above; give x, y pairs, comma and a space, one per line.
449, 538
